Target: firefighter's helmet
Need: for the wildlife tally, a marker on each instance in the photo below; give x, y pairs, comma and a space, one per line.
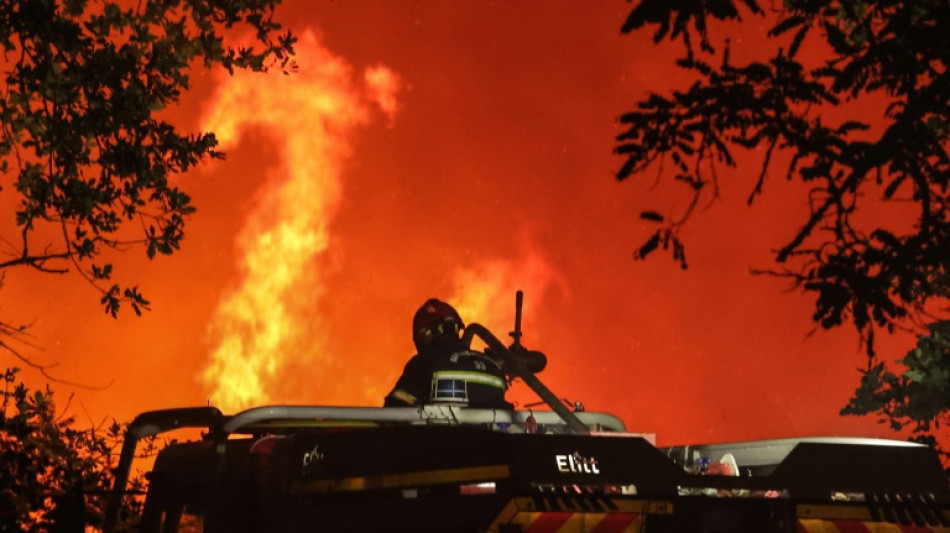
435, 323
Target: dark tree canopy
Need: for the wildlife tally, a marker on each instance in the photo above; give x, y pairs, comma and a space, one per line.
83, 144
879, 54
892, 51
921, 395
53, 473
919, 398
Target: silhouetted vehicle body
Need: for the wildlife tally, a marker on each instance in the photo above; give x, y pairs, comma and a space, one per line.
450, 468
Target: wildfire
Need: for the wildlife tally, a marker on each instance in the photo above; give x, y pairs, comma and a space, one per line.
485, 293
265, 319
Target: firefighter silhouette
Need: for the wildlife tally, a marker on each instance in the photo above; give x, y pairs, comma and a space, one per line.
444, 369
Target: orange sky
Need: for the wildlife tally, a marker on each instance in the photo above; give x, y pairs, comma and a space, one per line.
461, 151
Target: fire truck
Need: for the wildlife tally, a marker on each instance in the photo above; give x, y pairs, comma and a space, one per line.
447, 467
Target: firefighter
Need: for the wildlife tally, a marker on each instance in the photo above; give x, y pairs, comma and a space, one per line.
444, 369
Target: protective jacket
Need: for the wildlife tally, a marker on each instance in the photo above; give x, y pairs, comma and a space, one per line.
462, 376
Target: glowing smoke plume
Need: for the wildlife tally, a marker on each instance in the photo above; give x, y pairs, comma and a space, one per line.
258, 326
485, 293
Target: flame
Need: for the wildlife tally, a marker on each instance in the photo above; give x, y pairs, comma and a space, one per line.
267, 318
485, 293
381, 84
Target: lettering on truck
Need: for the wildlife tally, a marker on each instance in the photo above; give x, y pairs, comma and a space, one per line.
576, 463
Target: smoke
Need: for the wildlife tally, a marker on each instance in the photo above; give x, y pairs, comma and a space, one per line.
485, 292
268, 318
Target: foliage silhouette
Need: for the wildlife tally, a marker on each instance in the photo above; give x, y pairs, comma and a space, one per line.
878, 54
83, 144
53, 475
919, 398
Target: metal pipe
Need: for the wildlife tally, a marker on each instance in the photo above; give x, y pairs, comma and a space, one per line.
520, 370
250, 420
516, 334
308, 412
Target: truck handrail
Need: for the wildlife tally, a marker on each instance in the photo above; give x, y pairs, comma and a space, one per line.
430, 413
146, 425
